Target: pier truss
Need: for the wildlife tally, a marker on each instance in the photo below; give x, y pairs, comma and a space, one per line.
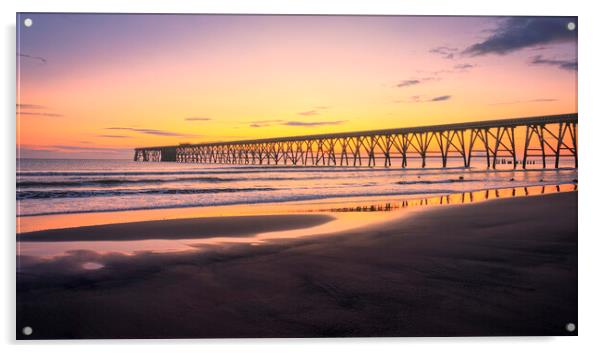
519, 142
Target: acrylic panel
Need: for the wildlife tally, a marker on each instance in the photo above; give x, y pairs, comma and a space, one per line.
230, 176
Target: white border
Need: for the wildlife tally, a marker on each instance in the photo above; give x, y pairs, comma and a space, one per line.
590, 243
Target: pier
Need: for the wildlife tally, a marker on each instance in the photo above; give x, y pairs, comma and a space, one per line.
519, 142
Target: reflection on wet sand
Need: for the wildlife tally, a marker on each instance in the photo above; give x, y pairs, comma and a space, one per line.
457, 198
346, 218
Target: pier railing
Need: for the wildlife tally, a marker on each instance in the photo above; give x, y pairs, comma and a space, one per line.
519, 142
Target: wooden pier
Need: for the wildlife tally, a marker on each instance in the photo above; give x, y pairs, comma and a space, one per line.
519, 142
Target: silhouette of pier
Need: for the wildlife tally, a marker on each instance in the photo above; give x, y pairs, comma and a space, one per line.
515, 142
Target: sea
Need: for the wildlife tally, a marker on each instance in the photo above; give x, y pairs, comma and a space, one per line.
63, 186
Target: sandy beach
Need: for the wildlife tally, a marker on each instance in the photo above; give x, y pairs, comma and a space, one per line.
289, 175
187, 228
501, 267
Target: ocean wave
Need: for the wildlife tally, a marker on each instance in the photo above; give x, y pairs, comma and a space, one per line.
447, 181
113, 182
126, 173
287, 198
57, 194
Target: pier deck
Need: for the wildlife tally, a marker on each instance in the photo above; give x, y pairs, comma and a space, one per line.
493, 140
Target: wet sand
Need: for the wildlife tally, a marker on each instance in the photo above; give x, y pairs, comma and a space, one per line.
188, 228
502, 267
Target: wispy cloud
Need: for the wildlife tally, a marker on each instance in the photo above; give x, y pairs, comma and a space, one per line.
464, 66
266, 123
440, 98
21, 106
70, 148
313, 123
436, 75
30, 106
116, 136
263, 123
40, 114
315, 111
423, 99
561, 64
153, 132
309, 113
85, 148
516, 33
444, 51
418, 81
39, 59
536, 100
407, 83
197, 118
543, 100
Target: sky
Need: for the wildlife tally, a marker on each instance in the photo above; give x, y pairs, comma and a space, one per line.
98, 85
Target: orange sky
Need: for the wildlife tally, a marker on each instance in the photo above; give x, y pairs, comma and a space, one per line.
95, 86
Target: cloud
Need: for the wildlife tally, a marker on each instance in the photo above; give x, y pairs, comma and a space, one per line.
266, 123
406, 83
445, 52
195, 118
68, 148
309, 112
22, 106
263, 123
421, 99
313, 123
40, 59
440, 98
30, 106
315, 111
115, 136
543, 100
416, 81
86, 149
561, 64
153, 132
463, 66
516, 33
437, 75
536, 100
40, 114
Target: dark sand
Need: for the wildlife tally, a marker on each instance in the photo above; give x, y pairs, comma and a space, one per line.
503, 267
187, 228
